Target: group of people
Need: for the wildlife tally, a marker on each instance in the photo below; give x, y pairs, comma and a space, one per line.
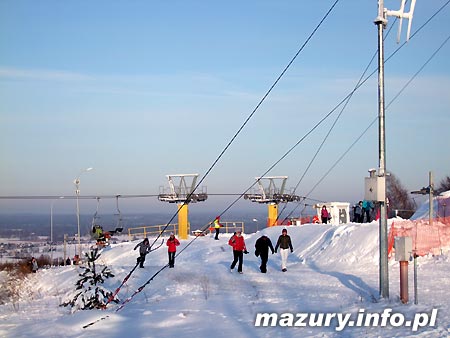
361, 210
237, 242
262, 247
144, 249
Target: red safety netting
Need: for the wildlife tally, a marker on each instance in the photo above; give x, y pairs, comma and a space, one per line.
427, 238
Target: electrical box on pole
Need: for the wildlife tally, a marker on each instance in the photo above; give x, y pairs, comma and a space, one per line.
182, 193
375, 187
403, 253
403, 248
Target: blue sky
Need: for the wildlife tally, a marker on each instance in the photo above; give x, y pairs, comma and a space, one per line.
142, 89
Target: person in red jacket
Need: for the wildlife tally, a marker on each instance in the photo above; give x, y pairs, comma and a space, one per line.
238, 244
172, 243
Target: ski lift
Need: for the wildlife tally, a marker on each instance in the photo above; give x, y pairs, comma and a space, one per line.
97, 229
102, 237
94, 219
119, 226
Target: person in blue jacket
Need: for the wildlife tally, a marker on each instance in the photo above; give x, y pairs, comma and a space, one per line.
367, 207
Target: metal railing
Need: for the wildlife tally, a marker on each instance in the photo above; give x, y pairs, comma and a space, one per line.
152, 230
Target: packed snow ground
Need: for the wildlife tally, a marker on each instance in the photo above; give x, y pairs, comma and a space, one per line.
334, 269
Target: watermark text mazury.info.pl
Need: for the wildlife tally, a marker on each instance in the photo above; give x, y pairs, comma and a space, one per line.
343, 320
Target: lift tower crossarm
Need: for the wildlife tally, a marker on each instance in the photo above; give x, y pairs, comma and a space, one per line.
183, 194
180, 191
271, 194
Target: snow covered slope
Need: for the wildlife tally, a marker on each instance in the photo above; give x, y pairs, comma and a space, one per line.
441, 207
332, 270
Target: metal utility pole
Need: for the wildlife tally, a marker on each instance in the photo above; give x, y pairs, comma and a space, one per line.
65, 248
430, 196
381, 21
77, 192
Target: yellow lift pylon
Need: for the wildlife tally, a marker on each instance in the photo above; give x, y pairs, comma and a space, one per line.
272, 214
183, 220
272, 195
181, 193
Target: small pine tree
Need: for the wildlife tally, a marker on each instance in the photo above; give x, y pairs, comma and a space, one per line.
89, 293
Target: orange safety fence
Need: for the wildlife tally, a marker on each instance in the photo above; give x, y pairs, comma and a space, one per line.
305, 220
427, 238
310, 219
273, 222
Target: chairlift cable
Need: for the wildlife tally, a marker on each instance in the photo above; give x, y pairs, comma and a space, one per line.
361, 82
190, 242
249, 117
331, 128
223, 151
329, 131
375, 119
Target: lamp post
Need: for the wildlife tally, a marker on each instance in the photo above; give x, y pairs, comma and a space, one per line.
256, 222
77, 192
51, 230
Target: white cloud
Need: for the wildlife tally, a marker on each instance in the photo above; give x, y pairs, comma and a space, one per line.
42, 75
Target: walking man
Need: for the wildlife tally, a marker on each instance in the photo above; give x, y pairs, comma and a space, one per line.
262, 246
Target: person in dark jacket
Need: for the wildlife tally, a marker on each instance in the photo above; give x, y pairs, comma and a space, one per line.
262, 246
34, 265
172, 244
144, 248
284, 243
358, 215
